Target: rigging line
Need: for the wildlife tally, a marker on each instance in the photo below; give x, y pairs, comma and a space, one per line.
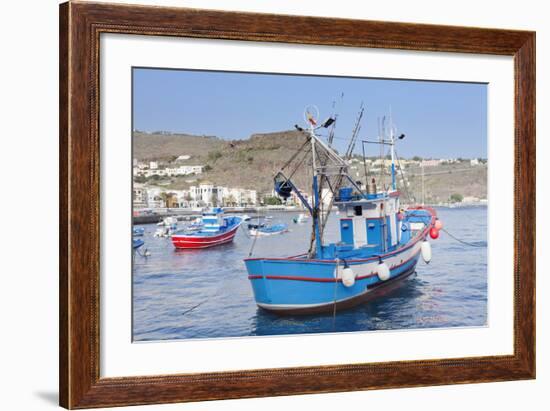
338, 184
295, 154
306, 153
462, 241
253, 243
255, 238
402, 176
365, 166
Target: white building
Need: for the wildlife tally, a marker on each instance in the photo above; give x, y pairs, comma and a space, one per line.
204, 195
429, 163
139, 196
154, 197
168, 171
207, 194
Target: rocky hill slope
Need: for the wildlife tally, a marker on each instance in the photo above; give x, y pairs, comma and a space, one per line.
251, 163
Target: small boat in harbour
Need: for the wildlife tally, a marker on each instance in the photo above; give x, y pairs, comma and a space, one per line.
265, 229
217, 229
138, 231
137, 242
380, 243
300, 219
170, 221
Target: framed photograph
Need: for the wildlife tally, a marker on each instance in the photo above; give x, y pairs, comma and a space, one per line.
260, 205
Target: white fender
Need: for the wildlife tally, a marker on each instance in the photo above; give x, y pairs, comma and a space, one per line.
426, 251
348, 277
383, 271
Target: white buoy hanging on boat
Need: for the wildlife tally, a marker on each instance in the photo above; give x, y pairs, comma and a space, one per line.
383, 271
426, 251
348, 276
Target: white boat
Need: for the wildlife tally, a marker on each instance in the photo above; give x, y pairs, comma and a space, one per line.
302, 218
168, 221
266, 229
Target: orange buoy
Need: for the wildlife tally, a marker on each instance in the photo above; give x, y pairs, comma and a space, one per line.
438, 225
434, 233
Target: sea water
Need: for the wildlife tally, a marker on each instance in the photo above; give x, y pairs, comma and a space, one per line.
182, 294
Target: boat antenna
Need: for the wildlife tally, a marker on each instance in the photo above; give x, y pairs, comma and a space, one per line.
392, 152
365, 167
335, 117
355, 132
381, 137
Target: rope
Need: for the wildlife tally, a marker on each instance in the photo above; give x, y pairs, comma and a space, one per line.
462, 241
145, 254
452, 236
192, 308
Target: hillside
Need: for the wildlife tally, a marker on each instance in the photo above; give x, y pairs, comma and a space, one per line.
249, 163
252, 163
165, 147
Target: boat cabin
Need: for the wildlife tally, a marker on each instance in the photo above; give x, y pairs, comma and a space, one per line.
371, 225
213, 219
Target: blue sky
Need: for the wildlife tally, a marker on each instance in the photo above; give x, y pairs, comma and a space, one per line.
439, 119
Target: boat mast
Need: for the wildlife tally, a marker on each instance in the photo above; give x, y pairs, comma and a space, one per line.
315, 215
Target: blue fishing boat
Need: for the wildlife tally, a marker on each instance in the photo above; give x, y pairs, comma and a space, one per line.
380, 242
137, 242
138, 231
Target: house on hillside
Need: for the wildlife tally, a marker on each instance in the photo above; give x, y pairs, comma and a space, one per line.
429, 163
139, 196
207, 194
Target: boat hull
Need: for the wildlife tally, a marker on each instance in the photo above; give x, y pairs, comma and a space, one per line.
195, 241
378, 291
260, 233
300, 286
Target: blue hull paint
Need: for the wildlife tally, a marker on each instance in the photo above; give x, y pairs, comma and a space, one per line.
290, 286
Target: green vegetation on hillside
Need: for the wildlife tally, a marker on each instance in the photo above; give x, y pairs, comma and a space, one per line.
252, 163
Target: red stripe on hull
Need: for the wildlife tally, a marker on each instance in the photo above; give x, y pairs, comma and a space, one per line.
327, 280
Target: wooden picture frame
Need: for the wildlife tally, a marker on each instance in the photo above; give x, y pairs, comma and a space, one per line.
80, 27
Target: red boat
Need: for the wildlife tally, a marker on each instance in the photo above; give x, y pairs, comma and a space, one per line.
216, 230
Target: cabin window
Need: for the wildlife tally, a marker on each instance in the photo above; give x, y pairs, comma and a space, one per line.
358, 210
